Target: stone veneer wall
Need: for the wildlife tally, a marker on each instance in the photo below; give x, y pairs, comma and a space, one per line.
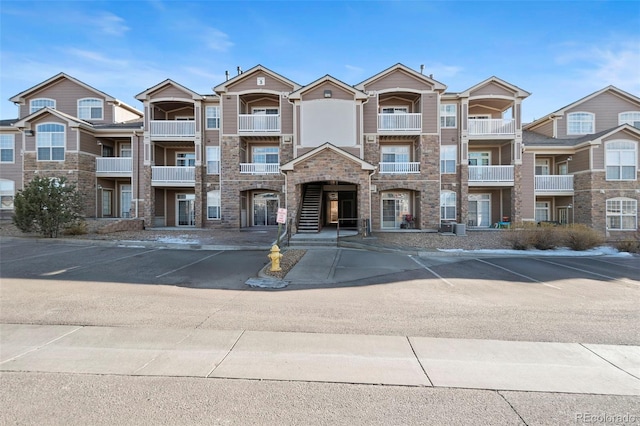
121, 226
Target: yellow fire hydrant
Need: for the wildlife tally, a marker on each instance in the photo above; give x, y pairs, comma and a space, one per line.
275, 257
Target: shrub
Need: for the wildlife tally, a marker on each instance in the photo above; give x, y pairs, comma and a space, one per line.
546, 237
580, 237
78, 228
519, 237
631, 245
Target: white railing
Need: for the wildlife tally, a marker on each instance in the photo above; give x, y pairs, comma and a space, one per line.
260, 168
492, 126
554, 183
173, 174
115, 165
173, 128
259, 123
400, 168
400, 122
490, 173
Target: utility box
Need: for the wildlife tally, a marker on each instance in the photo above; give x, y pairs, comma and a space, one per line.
461, 229
446, 227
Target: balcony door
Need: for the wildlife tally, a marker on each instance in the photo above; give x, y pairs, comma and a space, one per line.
186, 210
480, 210
185, 159
479, 158
395, 205
261, 121
125, 200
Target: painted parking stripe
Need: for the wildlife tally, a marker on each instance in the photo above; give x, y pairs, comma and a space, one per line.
52, 253
91, 264
616, 264
190, 264
518, 274
432, 271
589, 272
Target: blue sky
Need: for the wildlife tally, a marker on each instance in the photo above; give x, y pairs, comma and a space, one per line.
559, 51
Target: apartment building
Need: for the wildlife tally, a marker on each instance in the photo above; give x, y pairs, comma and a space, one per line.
394, 151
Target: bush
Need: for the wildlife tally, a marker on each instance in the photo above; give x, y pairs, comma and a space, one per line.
580, 237
546, 237
630, 245
520, 237
46, 206
78, 228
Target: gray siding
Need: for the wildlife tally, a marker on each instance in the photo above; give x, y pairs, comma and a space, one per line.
230, 115
248, 82
605, 106
336, 92
398, 79
491, 89
170, 91
430, 113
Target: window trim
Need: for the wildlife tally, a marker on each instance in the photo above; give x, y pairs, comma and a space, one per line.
253, 154
186, 156
219, 205
213, 117
396, 154
634, 156
90, 108
444, 161
31, 110
631, 120
50, 146
621, 214
13, 148
581, 131
444, 115
213, 160
394, 110
445, 202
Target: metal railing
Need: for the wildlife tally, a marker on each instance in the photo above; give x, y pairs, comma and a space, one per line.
554, 183
491, 126
173, 174
114, 165
259, 168
400, 122
490, 173
400, 168
172, 128
259, 122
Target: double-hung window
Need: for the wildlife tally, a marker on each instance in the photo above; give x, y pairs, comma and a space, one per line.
630, 117
448, 205
448, 116
542, 211
50, 138
395, 159
213, 117
622, 214
90, 109
621, 160
448, 155
185, 159
38, 104
213, 160
542, 166
580, 123
213, 204
7, 148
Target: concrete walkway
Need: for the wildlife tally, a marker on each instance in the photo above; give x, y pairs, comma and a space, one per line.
363, 359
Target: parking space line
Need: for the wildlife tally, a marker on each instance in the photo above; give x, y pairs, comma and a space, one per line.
518, 274
432, 271
616, 264
588, 272
52, 253
190, 264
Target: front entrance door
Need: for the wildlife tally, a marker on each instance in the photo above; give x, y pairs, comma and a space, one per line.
186, 210
265, 209
395, 206
480, 210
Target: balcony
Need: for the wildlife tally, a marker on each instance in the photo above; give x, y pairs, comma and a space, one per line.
490, 175
554, 184
173, 176
399, 168
259, 168
492, 127
172, 129
400, 122
259, 123
114, 166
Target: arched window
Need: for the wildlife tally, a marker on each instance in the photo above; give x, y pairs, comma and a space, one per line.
38, 104
448, 205
621, 160
90, 109
622, 214
630, 117
50, 141
580, 123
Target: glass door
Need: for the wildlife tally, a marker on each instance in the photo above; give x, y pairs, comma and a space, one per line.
480, 210
125, 200
186, 210
265, 209
395, 205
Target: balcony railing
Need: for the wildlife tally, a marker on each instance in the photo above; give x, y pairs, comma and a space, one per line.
400, 168
173, 128
259, 123
173, 175
492, 126
114, 165
554, 183
491, 174
399, 122
259, 168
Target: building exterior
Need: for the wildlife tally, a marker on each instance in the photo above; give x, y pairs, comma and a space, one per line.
394, 151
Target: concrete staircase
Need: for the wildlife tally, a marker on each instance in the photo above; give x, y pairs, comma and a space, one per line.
310, 214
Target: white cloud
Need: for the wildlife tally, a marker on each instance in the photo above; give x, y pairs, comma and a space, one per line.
110, 24
96, 57
216, 40
441, 72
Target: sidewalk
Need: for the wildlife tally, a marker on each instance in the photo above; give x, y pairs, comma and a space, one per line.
360, 359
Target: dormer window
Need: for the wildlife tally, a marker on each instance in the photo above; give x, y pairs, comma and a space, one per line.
38, 104
90, 109
580, 123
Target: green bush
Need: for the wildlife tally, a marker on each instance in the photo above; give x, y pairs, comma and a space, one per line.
580, 237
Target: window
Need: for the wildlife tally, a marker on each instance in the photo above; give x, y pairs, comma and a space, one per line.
448, 154
266, 154
213, 160
185, 159
38, 104
50, 140
395, 154
479, 158
7, 148
630, 117
621, 159
90, 109
213, 204
265, 111
125, 150
7, 192
542, 166
448, 116
542, 211
448, 205
580, 123
622, 214
395, 110
213, 117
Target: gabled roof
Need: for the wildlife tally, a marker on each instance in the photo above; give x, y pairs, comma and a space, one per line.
561, 111
358, 94
521, 93
534, 140
223, 87
20, 97
327, 146
71, 120
436, 84
168, 82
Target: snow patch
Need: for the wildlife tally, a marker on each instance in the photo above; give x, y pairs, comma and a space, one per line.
564, 252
